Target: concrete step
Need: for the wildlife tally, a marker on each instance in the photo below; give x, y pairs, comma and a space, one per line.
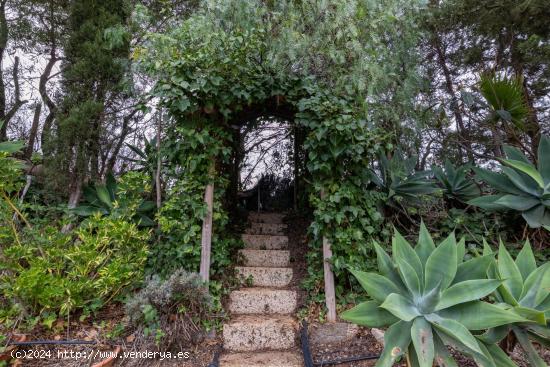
264, 242
250, 333
266, 258
262, 301
266, 217
266, 228
263, 359
266, 277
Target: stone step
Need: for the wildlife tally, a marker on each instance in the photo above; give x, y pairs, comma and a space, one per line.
262, 301
266, 258
250, 333
264, 242
266, 277
266, 217
266, 228
263, 359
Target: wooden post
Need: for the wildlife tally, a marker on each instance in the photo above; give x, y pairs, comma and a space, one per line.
330, 296
206, 240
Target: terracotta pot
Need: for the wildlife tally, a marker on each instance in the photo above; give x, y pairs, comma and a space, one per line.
111, 360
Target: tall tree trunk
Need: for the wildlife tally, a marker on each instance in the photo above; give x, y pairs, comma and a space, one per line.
7, 115
159, 163
442, 60
42, 89
123, 134
3, 43
33, 131
533, 125
42, 85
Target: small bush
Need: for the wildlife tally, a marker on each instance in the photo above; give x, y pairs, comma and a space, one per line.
44, 271
51, 271
171, 311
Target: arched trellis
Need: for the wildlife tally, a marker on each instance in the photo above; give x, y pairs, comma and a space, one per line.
276, 106
231, 61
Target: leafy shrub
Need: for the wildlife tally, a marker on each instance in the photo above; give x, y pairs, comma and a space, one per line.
521, 186
47, 271
172, 310
526, 291
429, 297
51, 271
474, 226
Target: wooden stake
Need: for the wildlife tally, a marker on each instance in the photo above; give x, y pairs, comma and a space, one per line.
330, 295
206, 241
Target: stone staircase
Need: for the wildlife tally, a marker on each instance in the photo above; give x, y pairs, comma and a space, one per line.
262, 330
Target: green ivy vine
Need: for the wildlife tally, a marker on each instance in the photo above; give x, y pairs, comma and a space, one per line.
231, 56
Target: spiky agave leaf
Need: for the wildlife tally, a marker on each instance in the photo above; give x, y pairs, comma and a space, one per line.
455, 183
521, 186
429, 296
397, 177
526, 291
102, 198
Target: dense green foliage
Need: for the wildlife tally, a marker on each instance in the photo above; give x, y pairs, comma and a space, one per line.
47, 271
106, 198
180, 218
230, 56
372, 95
94, 68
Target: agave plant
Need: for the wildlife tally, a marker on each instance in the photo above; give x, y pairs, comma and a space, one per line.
526, 291
397, 177
454, 182
103, 198
147, 157
429, 297
521, 186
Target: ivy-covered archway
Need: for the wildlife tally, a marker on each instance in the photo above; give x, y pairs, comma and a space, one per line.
235, 59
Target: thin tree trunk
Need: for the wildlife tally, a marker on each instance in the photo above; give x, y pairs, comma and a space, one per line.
124, 133
6, 116
295, 154
3, 44
33, 131
42, 89
533, 125
442, 60
159, 164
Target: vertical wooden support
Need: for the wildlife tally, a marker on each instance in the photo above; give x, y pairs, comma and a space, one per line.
206, 239
330, 294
